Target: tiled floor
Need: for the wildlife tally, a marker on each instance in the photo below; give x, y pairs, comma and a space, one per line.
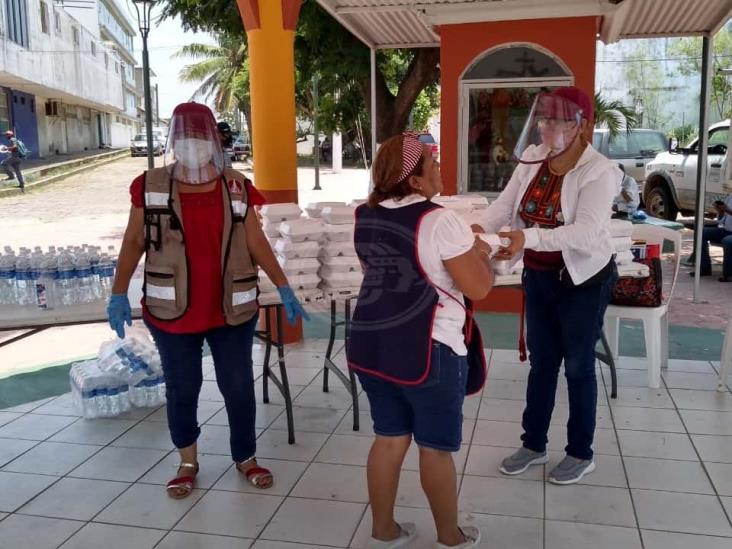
664, 476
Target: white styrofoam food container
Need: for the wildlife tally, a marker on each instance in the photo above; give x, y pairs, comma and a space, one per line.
304, 282
271, 230
338, 249
314, 209
302, 230
297, 250
343, 264
355, 203
339, 233
338, 215
299, 266
341, 280
477, 201
276, 213
265, 284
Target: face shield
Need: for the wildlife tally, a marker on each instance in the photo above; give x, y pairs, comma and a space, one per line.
553, 124
193, 154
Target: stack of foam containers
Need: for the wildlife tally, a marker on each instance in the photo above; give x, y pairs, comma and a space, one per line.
340, 268
461, 205
297, 252
621, 232
273, 216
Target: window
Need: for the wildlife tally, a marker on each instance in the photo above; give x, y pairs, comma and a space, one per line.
4, 111
116, 68
106, 59
93, 48
17, 21
719, 137
45, 21
637, 144
77, 36
57, 22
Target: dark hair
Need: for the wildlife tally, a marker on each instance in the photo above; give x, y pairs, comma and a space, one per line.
385, 172
622, 168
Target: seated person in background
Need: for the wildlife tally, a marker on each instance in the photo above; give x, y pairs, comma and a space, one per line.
721, 234
627, 202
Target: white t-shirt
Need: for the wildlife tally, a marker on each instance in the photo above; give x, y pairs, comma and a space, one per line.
726, 221
442, 236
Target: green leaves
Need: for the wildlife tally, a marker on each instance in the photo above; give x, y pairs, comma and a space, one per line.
614, 116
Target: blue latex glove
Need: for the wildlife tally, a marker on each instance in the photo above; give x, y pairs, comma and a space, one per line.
293, 309
119, 312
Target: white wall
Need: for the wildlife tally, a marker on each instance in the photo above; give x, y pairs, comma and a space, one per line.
88, 17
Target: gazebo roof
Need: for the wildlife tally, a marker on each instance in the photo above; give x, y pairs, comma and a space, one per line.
415, 23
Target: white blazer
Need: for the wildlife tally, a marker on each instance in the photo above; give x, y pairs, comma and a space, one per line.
587, 197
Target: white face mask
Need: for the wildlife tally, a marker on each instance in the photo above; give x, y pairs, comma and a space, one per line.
194, 153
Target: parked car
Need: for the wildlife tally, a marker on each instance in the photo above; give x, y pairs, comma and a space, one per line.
427, 139
632, 149
242, 149
138, 145
671, 177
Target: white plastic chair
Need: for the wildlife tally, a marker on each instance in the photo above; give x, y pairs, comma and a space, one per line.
655, 319
724, 363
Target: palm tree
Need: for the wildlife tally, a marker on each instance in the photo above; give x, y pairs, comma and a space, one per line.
614, 116
223, 70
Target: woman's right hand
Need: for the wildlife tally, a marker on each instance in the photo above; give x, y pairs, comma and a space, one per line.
517, 241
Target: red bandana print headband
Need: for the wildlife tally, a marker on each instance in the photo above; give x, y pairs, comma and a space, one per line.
412, 149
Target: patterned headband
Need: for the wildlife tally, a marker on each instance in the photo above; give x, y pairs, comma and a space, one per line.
412, 149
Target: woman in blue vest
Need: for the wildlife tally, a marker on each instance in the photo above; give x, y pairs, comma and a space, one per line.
411, 333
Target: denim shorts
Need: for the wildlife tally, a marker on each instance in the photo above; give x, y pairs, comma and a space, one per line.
431, 412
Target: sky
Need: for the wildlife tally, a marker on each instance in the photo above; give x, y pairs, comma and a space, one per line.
164, 40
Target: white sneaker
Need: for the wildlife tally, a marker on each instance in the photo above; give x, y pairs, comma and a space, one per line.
472, 539
409, 532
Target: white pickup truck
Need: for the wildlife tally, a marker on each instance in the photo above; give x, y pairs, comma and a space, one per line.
670, 185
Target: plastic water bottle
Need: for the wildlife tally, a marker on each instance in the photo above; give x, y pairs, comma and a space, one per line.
105, 272
8, 292
24, 283
86, 388
84, 280
45, 285
66, 280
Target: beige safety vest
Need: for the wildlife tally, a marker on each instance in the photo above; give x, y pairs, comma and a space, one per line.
167, 286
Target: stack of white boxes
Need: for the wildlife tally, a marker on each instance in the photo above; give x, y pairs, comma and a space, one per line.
621, 232
340, 268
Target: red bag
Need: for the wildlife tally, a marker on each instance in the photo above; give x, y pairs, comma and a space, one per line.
641, 292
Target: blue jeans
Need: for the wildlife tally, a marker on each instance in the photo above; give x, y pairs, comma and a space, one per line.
721, 236
231, 347
563, 324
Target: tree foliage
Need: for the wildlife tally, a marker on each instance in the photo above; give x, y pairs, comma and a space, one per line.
614, 116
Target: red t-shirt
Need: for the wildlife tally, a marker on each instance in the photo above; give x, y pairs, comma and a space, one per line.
203, 219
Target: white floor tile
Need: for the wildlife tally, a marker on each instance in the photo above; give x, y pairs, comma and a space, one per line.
35, 532
210, 391
471, 404
215, 439
345, 450
334, 482
11, 448
121, 464
605, 441
502, 496
365, 427
608, 472
336, 398
230, 514
500, 532
727, 503
497, 433
60, 406
721, 475
688, 513
286, 474
267, 544
663, 474
16, 489
685, 380
631, 378
314, 420
569, 535
94, 431
212, 466
690, 366
642, 397
498, 409
508, 371
706, 423
657, 445
148, 506
74, 498
186, 540
505, 389
670, 540
411, 494
646, 419
28, 406
702, 400
315, 521
113, 537
52, 458
35, 426
7, 417
274, 394
713, 448
590, 505
484, 461
273, 444
298, 375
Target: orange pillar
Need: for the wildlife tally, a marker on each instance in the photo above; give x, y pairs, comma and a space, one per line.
270, 27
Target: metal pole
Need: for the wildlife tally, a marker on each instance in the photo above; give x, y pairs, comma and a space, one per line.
148, 102
373, 111
157, 104
701, 169
316, 133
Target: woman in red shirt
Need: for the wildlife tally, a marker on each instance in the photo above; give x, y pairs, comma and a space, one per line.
194, 222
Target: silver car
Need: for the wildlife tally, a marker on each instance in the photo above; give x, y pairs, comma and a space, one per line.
633, 150
138, 145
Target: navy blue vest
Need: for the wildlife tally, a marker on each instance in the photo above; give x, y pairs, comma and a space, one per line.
391, 329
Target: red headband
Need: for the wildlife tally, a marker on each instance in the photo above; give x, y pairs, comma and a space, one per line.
412, 149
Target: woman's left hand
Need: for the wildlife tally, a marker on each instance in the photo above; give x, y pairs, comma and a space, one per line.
510, 251
293, 308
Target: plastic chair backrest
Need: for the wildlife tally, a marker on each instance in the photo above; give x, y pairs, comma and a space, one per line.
653, 234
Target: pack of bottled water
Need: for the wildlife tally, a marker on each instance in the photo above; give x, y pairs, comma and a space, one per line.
59, 277
126, 373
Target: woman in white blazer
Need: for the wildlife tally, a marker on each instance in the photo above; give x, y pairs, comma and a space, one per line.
559, 204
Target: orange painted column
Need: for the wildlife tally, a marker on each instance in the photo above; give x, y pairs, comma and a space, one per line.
270, 27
